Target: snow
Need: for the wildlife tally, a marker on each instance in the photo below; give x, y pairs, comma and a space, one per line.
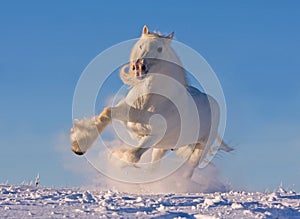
21, 201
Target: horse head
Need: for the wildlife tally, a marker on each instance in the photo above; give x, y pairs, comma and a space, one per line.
151, 49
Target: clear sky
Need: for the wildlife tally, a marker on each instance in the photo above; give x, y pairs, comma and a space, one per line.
253, 46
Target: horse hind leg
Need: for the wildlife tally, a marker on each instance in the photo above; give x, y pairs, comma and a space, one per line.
192, 154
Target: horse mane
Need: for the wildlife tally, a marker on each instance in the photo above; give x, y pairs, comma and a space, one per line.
160, 35
127, 76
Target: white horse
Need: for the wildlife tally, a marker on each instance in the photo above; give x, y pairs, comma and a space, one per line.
161, 110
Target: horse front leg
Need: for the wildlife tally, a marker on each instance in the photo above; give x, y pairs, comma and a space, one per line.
132, 156
157, 155
85, 131
129, 157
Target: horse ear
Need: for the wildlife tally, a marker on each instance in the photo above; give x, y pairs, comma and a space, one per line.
171, 35
145, 30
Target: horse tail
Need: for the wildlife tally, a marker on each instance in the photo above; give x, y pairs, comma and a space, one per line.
223, 145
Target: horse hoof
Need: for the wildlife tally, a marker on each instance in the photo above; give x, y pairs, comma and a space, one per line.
83, 135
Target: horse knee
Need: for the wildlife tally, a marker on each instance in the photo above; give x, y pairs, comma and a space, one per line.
105, 114
103, 119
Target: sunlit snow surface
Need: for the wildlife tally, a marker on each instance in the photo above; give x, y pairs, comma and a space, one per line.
28, 202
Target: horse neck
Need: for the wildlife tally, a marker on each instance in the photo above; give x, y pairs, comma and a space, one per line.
177, 71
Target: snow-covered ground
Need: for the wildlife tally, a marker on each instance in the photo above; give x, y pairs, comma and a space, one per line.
29, 201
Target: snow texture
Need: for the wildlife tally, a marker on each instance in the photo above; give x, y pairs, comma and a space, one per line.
38, 202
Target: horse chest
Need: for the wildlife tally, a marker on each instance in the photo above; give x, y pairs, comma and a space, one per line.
138, 97
138, 129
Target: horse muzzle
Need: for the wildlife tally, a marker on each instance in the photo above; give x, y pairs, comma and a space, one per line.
139, 68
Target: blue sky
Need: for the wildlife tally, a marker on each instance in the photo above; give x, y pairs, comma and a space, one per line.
252, 46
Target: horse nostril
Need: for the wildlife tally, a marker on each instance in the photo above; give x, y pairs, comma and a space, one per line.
133, 67
143, 67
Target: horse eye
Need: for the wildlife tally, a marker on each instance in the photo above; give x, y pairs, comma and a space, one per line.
159, 49
140, 46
